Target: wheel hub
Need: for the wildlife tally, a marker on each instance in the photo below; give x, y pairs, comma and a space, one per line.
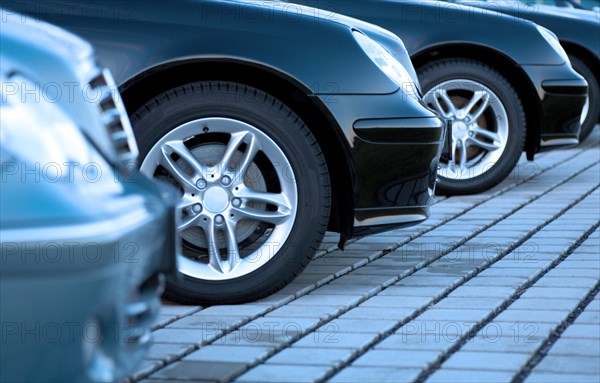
216, 199
479, 126
459, 130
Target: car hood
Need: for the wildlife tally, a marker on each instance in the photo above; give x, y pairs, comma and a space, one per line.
391, 42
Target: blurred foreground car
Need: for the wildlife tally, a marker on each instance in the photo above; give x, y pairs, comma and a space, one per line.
274, 122
506, 83
579, 34
84, 241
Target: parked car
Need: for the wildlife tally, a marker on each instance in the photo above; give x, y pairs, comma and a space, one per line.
579, 34
275, 123
505, 82
589, 5
84, 240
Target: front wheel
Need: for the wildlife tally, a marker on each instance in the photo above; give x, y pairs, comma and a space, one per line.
253, 183
488, 123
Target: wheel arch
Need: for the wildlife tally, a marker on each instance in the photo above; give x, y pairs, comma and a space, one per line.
153, 81
507, 68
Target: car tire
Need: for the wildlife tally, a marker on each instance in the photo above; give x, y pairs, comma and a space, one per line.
488, 129
254, 188
592, 116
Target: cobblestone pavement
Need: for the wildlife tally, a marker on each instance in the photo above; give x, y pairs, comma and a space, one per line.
496, 287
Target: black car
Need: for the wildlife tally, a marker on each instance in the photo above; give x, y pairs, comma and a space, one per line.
579, 34
276, 122
505, 82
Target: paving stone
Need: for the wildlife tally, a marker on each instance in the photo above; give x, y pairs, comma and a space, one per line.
298, 311
255, 336
353, 279
419, 280
375, 374
491, 342
285, 327
396, 358
498, 281
200, 371
576, 346
184, 336
327, 300
537, 316
582, 331
570, 364
418, 342
334, 339
567, 282
470, 360
312, 356
440, 314
166, 352
206, 322
177, 310
343, 324
283, 374
445, 375
549, 377
574, 272
534, 292
228, 354
245, 310
395, 301
469, 303
356, 290
395, 313
147, 367
525, 331
469, 291
589, 317
412, 291
544, 304
162, 321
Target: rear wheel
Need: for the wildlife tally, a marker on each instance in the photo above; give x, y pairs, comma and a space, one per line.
488, 123
254, 188
591, 110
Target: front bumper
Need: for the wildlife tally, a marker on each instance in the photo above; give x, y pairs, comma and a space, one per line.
562, 93
394, 158
92, 291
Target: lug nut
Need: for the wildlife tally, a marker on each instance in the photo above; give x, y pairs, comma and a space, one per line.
225, 180
201, 184
236, 202
197, 208
219, 219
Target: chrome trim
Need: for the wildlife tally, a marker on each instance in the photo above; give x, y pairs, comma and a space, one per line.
558, 142
390, 220
115, 118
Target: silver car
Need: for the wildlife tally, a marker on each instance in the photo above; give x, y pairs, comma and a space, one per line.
85, 239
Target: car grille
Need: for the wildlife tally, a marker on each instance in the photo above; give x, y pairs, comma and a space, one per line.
115, 118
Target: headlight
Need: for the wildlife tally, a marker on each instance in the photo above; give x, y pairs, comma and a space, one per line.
45, 144
553, 41
386, 62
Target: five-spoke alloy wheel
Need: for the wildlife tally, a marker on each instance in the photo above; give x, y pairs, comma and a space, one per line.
488, 124
253, 188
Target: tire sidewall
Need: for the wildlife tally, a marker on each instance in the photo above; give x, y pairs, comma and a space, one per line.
446, 70
229, 100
